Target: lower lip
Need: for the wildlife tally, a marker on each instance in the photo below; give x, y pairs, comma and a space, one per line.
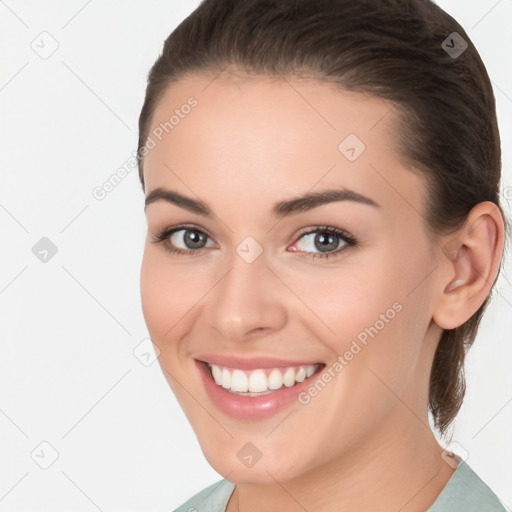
251, 408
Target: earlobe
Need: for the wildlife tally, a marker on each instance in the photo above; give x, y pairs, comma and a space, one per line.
470, 266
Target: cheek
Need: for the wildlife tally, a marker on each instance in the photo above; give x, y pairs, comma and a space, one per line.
153, 282
369, 320
165, 303
350, 302
168, 292
172, 296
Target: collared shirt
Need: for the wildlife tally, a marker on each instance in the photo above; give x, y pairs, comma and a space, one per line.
464, 492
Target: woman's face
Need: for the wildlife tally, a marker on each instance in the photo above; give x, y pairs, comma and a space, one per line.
254, 283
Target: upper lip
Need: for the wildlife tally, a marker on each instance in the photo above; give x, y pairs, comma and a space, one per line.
251, 363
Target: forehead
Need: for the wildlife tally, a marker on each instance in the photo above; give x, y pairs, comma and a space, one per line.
273, 136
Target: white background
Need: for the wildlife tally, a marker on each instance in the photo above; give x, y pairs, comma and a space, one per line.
68, 327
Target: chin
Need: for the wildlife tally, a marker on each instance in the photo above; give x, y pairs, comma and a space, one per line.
235, 464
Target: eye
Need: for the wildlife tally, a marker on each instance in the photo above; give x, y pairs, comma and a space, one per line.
189, 240
183, 240
328, 240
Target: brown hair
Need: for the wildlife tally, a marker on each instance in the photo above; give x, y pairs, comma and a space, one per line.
392, 49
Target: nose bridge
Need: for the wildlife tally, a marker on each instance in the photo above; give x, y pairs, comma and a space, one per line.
246, 298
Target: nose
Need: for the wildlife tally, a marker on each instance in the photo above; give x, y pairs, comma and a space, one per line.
248, 302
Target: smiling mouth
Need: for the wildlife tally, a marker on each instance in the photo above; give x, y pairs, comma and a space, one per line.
261, 381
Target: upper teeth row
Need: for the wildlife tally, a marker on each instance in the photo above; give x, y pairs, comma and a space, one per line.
257, 380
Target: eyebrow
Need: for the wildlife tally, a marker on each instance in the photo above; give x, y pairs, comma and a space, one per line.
281, 209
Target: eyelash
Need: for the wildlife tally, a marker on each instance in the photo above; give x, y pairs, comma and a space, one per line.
162, 238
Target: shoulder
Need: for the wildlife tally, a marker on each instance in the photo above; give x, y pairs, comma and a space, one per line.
213, 498
466, 492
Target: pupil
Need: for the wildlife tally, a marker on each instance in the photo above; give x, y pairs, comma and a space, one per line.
324, 241
193, 239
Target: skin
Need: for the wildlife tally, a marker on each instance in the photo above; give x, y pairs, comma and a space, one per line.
364, 442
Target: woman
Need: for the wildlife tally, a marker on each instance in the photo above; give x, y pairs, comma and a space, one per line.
324, 230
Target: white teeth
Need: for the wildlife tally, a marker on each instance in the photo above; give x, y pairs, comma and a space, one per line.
239, 381
256, 382
217, 373
226, 378
309, 371
275, 379
300, 375
289, 377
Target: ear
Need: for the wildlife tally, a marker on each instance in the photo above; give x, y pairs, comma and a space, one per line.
469, 265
